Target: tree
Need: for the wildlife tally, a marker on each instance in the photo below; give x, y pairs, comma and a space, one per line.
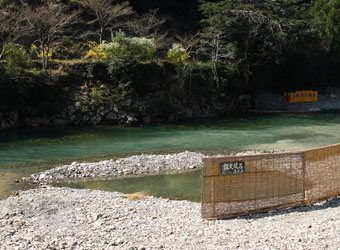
214, 43
251, 26
8, 28
47, 24
327, 18
106, 14
182, 54
146, 25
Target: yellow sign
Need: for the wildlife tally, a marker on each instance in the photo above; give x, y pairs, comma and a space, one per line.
301, 96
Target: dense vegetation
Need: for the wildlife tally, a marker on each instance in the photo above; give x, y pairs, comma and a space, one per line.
147, 56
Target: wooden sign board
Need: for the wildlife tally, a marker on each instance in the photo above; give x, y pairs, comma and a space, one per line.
236, 167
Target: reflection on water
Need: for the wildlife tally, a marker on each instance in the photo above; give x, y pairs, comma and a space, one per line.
184, 186
29, 151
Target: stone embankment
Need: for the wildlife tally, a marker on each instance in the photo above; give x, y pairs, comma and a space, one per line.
64, 218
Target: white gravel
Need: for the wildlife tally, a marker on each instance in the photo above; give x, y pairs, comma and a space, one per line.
64, 218
134, 165
143, 164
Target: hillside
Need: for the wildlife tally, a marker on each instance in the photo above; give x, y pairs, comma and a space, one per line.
81, 61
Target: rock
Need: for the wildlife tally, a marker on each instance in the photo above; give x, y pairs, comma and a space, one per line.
59, 122
147, 119
37, 121
71, 109
85, 118
189, 112
96, 119
42, 176
131, 120
112, 116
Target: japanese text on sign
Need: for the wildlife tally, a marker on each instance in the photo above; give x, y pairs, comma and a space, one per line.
232, 167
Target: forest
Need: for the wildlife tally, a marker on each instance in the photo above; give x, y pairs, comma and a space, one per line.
147, 61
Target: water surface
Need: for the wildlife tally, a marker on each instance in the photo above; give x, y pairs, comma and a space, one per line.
183, 186
24, 152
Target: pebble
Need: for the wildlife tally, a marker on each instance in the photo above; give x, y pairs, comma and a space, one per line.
65, 218
92, 219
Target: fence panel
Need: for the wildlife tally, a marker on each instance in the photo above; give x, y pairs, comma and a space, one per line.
237, 185
322, 177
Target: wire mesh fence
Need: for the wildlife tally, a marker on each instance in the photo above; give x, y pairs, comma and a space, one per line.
239, 185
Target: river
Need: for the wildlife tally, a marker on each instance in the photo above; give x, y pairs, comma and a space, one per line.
23, 152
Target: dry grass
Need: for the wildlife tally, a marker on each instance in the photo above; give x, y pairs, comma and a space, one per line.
135, 196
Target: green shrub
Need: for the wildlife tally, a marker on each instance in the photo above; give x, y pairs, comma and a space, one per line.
177, 53
179, 56
16, 58
129, 48
122, 51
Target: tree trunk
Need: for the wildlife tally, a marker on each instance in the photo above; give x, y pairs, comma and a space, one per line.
3, 48
47, 57
190, 76
246, 66
43, 58
101, 35
214, 62
215, 75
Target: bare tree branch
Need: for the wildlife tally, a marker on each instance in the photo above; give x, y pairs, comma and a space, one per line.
47, 24
106, 13
146, 25
9, 27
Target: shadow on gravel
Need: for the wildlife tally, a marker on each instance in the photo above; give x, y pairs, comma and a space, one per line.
330, 203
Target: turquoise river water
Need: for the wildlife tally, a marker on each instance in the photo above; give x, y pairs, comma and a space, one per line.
29, 151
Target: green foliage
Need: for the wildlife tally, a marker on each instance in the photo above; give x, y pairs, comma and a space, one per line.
179, 56
327, 17
93, 98
254, 28
122, 51
16, 58
178, 53
125, 49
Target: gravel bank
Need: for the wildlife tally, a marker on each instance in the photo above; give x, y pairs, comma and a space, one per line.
135, 165
64, 218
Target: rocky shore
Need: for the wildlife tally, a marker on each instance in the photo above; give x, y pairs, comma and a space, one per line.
64, 218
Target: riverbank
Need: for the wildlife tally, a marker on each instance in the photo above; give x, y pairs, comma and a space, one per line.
64, 218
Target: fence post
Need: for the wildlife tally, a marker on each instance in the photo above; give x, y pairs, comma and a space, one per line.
213, 197
303, 158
